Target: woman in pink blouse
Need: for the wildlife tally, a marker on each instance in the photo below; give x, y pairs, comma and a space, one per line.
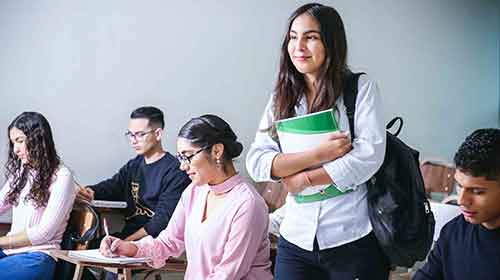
221, 221
40, 191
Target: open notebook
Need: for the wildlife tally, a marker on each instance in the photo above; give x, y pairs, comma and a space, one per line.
95, 256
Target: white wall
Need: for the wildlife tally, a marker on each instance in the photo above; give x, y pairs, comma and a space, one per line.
87, 64
437, 65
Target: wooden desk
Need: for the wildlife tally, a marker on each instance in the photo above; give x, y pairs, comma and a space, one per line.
124, 270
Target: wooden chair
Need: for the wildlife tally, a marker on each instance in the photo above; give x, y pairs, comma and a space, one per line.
438, 179
81, 229
4, 228
275, 195
5, 223
124, 271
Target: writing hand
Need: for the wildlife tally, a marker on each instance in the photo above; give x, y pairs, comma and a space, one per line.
106, 248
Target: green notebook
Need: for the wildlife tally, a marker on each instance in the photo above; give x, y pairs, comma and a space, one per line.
305, 132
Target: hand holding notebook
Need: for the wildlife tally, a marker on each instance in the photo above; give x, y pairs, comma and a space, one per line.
334, 146
317, 132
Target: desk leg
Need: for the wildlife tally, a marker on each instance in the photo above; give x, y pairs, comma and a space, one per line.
78, 272
124, 274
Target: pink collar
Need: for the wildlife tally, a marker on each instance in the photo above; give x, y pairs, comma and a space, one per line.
226, 185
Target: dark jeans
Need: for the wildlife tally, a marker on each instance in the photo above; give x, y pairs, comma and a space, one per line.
27, 266
360, 259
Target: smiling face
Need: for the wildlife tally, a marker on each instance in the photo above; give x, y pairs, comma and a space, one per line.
305, 47
479, 199
18, 140
197, 162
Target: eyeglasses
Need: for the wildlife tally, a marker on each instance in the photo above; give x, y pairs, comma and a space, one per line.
139, 136
187, 159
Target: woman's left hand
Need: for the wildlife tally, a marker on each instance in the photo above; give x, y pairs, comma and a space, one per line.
296, 183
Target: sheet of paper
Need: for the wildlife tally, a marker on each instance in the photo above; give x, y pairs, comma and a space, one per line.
95, 256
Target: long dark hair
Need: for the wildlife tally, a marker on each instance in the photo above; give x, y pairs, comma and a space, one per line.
291, 84
42, 164
208, 130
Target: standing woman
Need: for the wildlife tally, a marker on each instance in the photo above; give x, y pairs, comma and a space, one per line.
40, 191
330, 235
220, 221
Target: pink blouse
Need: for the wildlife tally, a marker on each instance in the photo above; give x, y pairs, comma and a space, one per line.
44, 226
232, 243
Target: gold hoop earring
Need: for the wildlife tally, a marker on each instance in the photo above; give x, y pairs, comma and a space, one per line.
218, 163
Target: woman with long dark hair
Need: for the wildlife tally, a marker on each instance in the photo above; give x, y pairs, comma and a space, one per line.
326, 233
40, 191
220, 221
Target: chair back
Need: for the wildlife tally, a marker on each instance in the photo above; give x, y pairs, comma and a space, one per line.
81, 229
82, 226
273, 193
438, 178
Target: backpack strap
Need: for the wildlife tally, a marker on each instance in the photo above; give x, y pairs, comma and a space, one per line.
391, 124
350, 94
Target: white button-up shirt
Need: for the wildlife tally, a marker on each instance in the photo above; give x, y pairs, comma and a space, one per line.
342, 219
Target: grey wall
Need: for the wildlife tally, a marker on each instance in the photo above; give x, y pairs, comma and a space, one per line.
87, 64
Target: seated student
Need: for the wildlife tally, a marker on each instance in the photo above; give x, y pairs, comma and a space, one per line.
151, 183
221, 221
469, 245
40, 190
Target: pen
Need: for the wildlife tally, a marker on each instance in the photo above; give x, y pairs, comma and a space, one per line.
105, 224
106, 230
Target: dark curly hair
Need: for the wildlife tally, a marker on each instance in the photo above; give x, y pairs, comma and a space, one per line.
43, 160
479, 155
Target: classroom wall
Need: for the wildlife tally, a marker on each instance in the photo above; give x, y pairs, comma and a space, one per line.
87, 64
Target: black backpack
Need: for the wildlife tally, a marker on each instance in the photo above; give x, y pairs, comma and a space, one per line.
399, 211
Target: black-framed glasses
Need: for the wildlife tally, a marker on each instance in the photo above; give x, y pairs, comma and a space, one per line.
138, 135
187, 159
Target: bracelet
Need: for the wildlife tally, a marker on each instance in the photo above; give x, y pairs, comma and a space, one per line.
308, 180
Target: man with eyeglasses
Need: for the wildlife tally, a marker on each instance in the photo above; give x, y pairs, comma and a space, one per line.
151, 183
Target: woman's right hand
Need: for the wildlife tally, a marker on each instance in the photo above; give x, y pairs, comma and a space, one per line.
337, 145
114, 247
85, 194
